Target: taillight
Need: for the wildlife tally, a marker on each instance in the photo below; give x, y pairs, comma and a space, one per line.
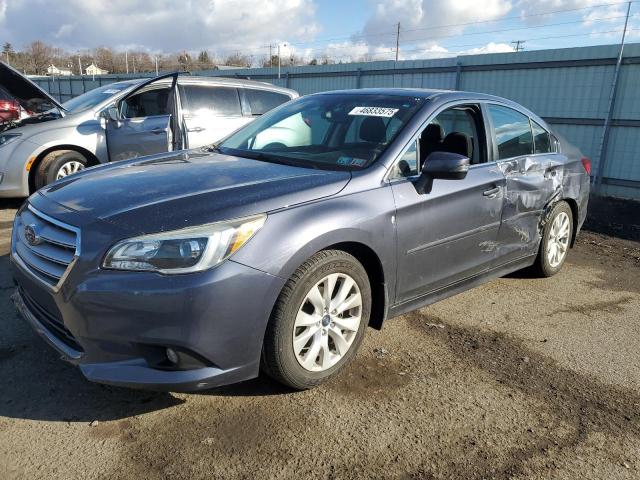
9, 110
586, 163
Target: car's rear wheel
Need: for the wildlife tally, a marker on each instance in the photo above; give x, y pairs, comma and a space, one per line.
319, 320
57, 165
556, 239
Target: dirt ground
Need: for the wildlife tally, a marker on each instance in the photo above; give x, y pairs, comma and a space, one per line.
519, 378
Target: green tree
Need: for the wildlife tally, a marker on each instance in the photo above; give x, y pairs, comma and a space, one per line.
204, 60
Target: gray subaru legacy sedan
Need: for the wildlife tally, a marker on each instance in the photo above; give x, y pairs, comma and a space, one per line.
194, 269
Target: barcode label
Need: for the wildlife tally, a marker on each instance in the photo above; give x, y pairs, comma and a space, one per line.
374, 111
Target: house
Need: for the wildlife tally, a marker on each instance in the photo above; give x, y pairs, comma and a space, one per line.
93, 69
53, 70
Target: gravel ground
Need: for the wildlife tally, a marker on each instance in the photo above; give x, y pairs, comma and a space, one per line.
519, 378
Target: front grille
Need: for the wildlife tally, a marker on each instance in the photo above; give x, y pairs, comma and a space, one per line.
51, 320
52, 249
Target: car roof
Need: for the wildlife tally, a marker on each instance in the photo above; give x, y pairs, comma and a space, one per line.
419, 93
435, 94
237, 82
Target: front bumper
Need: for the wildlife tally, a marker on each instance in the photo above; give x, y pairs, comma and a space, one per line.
119, 323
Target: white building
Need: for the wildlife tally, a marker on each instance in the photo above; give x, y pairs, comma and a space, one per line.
93, 69
53, 70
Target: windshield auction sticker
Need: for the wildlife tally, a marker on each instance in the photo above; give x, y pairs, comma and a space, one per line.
374, 111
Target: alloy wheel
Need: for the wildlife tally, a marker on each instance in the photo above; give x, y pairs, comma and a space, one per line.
327, 322
558, 242
69, 168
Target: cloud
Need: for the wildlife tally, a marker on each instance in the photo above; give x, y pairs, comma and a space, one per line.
428, 20
161, 25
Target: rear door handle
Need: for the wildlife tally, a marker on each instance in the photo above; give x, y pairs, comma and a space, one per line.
158, 131
492, 193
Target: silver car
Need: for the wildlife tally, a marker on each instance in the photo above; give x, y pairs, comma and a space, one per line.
45, 140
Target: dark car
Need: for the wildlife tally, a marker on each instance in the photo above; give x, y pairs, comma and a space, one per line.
190, 270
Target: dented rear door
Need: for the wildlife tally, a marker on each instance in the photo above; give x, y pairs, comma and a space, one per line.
533, 179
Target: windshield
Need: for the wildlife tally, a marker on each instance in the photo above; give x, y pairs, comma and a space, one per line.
94, 97
337, 131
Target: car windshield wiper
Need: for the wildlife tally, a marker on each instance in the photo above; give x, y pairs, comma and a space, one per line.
266, 157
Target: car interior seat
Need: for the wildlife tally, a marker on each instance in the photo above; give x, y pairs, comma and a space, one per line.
374, 130
458, 142
430, 140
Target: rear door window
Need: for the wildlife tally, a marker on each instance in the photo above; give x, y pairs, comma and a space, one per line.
512, 132
261, 101
209, 100
541, 139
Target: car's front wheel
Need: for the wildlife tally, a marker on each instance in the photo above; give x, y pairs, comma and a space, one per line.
57, 165
318, 321
556, 239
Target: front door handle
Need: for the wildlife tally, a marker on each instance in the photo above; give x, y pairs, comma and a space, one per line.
492, 193
158, 131
196, 129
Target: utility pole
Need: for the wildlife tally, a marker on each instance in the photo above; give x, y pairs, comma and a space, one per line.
126, 60
8, 58
518, 45
612, 99
134, 63
270, 56
79, 65
156, 65
398, 42
279, 62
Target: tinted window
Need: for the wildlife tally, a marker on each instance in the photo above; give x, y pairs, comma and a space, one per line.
541, 140
146, 104
261, 101
512, 130
205, 100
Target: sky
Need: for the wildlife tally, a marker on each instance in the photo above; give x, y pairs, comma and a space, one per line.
344, 29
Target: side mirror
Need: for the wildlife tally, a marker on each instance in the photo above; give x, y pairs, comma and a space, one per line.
442, 165
112, 114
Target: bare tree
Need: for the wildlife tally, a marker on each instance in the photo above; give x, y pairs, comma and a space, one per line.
105, 58
238, 60
40, 55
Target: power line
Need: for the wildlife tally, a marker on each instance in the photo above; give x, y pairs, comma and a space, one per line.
554, 37
326, 47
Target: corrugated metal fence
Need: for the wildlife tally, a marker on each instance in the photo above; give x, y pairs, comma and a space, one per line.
570, 88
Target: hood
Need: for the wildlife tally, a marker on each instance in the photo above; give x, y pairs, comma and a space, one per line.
31, 100
172, 191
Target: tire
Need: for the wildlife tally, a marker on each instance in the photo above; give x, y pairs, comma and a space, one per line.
58, 164
280, 360
547, 263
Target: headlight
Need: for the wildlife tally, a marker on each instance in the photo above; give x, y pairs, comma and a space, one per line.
183, 251
8, 137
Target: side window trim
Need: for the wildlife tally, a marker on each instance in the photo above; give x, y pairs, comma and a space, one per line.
244, 102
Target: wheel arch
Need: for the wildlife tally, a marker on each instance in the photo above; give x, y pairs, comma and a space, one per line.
573, 204
92, 160
373, 266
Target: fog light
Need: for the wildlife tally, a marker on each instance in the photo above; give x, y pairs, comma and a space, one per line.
172, 356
